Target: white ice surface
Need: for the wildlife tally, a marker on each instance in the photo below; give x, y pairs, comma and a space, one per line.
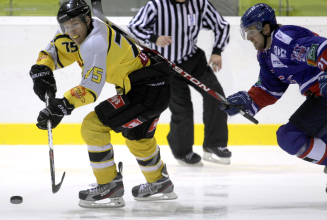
262, 183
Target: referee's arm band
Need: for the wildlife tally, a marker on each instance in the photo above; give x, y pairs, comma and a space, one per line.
216, 51
153, 38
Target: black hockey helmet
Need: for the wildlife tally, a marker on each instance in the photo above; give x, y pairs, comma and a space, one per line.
72, 9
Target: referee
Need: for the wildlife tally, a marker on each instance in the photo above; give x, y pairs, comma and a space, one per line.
171, 27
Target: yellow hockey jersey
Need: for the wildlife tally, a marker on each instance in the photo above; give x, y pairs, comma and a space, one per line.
104, 56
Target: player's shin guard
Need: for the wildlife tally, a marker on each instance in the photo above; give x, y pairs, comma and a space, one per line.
296, 142
109, 195
162, 189
102, 162
313, 151
149, 159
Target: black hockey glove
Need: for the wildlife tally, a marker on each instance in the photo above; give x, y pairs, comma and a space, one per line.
43, 81
55, 111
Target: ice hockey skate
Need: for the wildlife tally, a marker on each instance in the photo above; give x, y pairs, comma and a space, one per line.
217, 155
108, 195
162, 189
192, 159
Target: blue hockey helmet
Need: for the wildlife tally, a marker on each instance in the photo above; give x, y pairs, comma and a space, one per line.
258, 15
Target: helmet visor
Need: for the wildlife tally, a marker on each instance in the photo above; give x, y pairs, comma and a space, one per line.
250, 30
70, 25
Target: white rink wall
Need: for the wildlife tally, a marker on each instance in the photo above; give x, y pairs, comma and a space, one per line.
23, 37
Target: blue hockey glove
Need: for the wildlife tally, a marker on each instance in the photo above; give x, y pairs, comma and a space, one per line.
323, 85
55, 112
240, 100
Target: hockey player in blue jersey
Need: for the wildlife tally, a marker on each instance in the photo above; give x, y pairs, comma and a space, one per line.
287, 55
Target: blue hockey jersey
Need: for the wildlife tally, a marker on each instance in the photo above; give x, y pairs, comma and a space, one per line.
296, 56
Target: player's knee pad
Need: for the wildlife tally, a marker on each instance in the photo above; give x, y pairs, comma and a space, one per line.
290, 138
86, 125
147, 154
93, 132
311, 117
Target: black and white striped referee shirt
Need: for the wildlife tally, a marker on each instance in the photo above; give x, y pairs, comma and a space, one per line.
181, 21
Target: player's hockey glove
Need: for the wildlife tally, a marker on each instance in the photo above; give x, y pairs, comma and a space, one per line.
43, 81
323, 85
240, 100
55, 111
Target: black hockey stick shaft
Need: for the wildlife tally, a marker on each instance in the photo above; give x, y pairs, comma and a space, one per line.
97, 10
55, 188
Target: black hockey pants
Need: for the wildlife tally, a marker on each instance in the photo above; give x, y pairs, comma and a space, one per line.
181, 135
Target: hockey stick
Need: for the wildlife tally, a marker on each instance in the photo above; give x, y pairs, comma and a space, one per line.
97, 10
55, 188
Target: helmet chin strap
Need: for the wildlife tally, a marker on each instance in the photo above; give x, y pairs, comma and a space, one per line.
89, 28
265, 39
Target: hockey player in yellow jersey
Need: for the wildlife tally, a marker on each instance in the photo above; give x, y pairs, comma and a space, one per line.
143, 88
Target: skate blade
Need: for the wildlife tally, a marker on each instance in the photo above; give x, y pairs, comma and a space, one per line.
159, 196
105, 203
198, 164
215, 159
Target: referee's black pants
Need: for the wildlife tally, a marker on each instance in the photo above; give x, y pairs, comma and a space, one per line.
181, 135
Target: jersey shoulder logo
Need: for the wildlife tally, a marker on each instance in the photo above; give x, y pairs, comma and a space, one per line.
41, 57
311, 55
299, 53
144, 59
79, 93
283, 37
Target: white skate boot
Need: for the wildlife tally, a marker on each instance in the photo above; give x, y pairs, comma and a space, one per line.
108, 195
162, 189
217, 155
